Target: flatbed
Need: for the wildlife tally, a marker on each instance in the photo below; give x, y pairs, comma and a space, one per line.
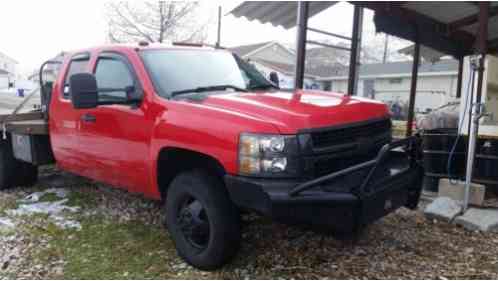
31, 123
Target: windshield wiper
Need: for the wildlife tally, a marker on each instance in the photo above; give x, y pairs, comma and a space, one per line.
263, 87
208, 89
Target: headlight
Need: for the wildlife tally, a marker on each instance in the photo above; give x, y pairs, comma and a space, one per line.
267, 155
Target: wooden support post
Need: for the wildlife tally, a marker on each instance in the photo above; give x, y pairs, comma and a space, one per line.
355, 50
459, 78
413, 89
302, 28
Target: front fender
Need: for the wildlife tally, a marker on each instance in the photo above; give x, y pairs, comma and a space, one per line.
210, 131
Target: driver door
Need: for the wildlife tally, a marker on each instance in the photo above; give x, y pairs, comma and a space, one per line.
116, 135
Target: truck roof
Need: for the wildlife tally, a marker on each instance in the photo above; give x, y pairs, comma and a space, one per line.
145, 46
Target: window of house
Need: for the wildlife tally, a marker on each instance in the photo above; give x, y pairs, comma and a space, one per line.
395, 80
113, 74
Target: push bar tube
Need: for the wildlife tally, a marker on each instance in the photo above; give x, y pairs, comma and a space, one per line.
381, 156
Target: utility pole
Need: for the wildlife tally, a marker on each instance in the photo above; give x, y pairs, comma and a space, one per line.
386, 43
218, 40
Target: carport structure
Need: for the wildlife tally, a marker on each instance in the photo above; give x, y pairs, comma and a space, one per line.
451, 28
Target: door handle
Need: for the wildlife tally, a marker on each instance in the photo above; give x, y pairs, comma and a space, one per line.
88, 118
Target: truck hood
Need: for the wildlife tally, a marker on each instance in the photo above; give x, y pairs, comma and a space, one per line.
293, 111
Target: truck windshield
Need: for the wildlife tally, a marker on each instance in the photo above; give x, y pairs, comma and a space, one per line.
184, 71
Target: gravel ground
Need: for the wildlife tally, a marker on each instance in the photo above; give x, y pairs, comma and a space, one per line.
402, 245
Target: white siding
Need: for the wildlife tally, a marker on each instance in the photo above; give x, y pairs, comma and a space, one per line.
286, 81
274, 53
432, 91
4, 82
7, 64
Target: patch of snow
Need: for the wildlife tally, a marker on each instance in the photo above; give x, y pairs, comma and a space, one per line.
30, 205
64, 223
33, 197
49, 208
59, 192
36, 196
6, 223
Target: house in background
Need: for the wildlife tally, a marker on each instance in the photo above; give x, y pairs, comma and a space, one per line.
272, 56
7, 71
50, 71
390, 83
327, 69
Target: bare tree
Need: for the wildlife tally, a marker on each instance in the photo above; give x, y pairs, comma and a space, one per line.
154, 21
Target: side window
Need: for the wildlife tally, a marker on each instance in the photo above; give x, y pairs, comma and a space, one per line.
75, 66
112, 74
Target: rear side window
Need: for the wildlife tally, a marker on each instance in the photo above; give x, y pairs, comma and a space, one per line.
77, 65
113, 74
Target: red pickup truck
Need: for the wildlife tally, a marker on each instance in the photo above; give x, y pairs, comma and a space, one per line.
204, 131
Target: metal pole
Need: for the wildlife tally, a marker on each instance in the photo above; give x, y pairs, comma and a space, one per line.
477, 108
413, 88
302, 27
355, 50
483, 44
459, 78
218, 40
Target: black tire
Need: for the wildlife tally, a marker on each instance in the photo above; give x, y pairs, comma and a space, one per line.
218, 212
29, 174
12, 171
9, 166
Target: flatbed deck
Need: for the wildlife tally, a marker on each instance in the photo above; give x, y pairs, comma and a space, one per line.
31, 123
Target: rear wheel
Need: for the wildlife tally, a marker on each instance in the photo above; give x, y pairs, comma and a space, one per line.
29, 174
12, 171
202, 220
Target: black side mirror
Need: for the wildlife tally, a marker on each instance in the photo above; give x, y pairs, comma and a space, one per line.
274, 78
83, 90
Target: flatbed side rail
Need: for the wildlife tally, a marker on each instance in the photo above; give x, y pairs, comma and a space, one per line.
375, 163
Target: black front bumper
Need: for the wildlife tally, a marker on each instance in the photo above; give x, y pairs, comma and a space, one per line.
316, 203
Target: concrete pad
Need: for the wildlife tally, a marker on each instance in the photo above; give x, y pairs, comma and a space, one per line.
443, 208
479, 219
457, 191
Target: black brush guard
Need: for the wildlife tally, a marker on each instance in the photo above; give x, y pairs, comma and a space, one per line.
392, 180
411, 145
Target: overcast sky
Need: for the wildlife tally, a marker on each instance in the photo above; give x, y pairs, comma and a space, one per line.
33, 31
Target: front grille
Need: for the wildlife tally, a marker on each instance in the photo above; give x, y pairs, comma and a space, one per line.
335, 149
350, 134
327, 165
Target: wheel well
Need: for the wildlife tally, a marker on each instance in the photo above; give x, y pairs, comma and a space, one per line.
172, 161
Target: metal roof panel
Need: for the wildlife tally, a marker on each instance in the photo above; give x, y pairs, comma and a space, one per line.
278, 13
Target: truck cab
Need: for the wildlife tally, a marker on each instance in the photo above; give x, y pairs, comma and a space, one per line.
205, 132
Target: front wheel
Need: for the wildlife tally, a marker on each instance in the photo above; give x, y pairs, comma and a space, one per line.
202, 220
